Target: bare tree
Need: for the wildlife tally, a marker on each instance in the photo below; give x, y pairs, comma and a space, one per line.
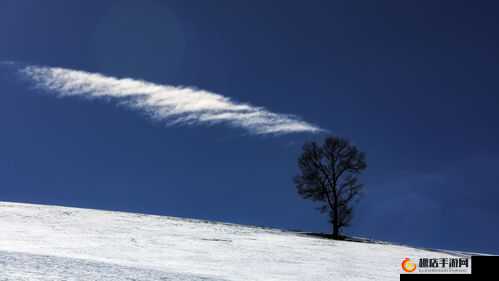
329, 174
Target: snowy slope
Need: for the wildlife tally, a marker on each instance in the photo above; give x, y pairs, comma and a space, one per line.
39, 242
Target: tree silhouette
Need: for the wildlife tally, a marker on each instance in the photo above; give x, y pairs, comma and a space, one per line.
329, 174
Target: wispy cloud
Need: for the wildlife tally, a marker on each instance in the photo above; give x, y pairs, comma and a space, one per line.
170, 104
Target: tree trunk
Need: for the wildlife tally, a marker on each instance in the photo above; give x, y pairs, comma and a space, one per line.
335, 230
336, 224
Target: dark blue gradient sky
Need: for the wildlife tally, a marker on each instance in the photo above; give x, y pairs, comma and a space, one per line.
413, 83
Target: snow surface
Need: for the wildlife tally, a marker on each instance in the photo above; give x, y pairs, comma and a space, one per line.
39, 242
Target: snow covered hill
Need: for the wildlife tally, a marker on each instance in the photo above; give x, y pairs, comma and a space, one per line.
39, 242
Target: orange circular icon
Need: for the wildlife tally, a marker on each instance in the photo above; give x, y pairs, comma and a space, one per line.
408, 265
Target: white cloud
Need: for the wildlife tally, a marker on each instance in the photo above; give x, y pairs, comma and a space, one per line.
171, 104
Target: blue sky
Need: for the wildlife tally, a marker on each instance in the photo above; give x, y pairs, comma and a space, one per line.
414, 85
